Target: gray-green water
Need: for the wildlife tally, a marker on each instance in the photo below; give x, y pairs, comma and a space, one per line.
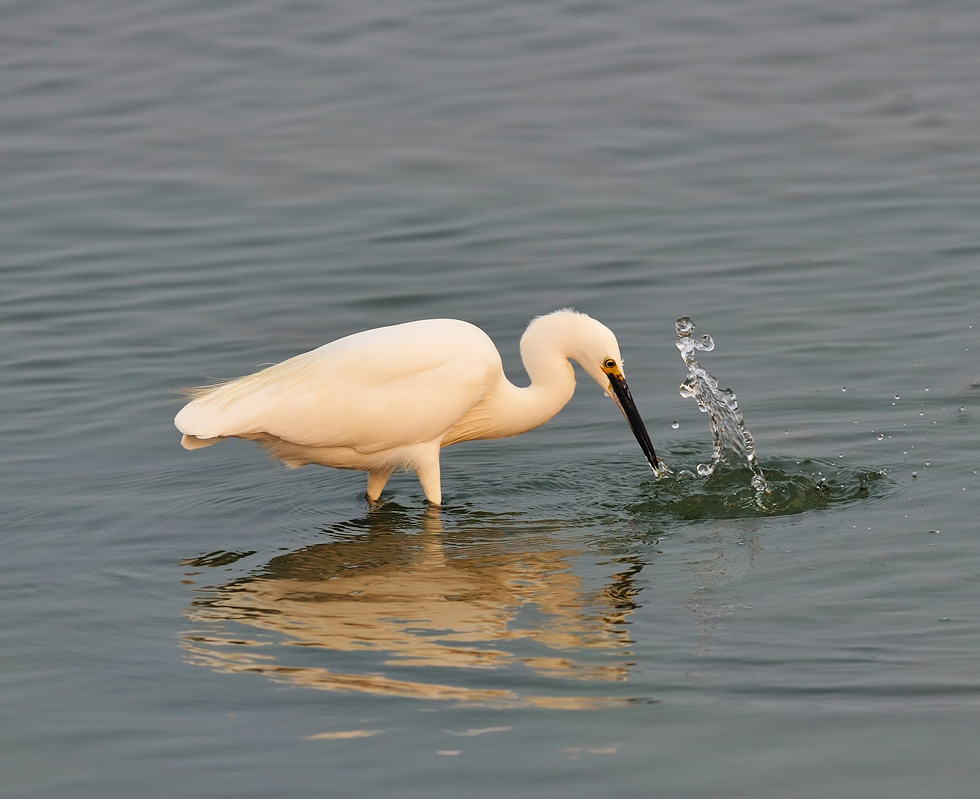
190, 190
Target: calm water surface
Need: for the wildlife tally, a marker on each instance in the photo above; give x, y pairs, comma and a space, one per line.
190, 190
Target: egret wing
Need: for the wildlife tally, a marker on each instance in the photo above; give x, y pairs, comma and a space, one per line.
388, 387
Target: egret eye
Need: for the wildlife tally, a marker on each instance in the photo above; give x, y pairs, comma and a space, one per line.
609, 363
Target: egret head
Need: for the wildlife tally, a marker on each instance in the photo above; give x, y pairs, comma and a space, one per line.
595, 348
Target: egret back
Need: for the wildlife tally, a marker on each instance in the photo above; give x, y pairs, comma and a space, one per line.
389, 387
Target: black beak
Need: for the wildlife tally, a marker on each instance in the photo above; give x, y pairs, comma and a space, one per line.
628, 407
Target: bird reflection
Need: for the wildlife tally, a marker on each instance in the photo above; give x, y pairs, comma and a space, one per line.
394, 591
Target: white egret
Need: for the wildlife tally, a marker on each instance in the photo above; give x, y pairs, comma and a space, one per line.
391, 398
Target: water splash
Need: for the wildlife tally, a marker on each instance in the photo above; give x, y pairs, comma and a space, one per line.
734, 446
793, 486
734, 485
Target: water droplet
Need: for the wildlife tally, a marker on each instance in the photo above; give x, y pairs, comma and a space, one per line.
915, 474
927, 388
928, 463
843, 388
684, 326
881, 436
898, 396
675, 425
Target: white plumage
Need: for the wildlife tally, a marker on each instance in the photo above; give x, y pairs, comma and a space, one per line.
391, 398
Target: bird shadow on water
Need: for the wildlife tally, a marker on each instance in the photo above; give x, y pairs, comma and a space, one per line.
477, 607
426, 605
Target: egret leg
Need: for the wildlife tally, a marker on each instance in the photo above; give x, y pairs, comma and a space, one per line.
376, 484
430, 477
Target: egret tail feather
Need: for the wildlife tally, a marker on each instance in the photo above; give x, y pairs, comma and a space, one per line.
193, 442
